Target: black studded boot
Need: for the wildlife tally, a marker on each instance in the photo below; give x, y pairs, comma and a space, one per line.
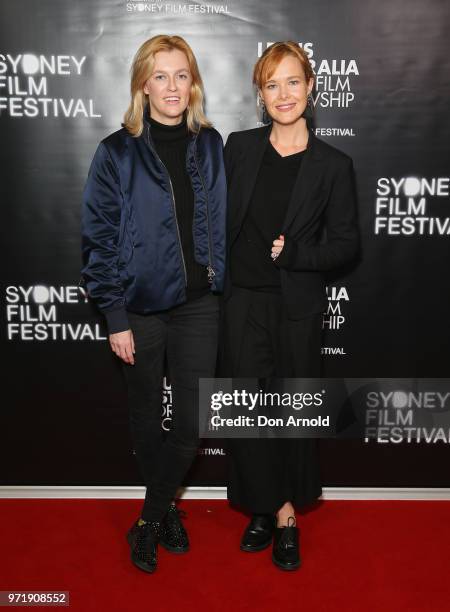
174, 536
143, 540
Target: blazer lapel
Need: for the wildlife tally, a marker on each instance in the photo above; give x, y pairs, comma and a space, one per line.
306, 179
252, 165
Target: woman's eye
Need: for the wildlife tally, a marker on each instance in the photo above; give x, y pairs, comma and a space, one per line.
271, 86
294, 82
159, 77
182, 76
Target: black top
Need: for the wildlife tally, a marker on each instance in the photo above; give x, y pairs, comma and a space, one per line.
171, 143
323, 205
251, 264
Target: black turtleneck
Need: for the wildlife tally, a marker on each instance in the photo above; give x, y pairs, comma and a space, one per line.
171, 143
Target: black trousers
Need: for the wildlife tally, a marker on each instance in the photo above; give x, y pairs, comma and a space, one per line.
188, 335
260, 341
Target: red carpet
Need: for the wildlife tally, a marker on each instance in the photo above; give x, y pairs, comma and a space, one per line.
358, 555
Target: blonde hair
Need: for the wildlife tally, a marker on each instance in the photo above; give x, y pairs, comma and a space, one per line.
272, 56
141, 70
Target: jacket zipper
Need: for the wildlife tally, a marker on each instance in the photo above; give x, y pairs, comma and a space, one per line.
210, 268
173, 205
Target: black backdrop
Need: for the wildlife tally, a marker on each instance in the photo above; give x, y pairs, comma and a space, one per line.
382, 96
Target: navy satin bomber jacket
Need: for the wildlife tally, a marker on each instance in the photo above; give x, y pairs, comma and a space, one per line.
131, 248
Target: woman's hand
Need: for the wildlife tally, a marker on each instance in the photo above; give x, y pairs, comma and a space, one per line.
122, 345
277, 246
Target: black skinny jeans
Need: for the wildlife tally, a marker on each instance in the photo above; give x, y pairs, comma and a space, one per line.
188, 335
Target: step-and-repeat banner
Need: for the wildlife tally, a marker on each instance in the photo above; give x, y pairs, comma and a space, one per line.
382, 95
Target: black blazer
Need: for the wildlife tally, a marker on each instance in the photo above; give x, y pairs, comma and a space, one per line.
320, 227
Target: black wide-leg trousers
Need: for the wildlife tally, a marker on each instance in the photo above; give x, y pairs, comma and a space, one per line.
261, 342
188, 335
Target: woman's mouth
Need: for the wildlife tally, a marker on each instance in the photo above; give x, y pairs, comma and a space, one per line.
285, 107
172, 100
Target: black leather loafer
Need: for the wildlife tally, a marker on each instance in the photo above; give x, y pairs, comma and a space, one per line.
174, 537
285, 551
258, 533
143, 541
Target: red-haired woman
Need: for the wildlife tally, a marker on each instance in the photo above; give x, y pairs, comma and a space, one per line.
153, 229
285, 187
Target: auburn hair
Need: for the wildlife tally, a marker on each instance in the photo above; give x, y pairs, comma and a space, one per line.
142, 69
272, 56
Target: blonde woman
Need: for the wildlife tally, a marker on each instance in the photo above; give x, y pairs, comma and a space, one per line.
153, 241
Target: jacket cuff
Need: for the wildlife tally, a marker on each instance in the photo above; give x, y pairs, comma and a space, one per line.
287, 255
117, 320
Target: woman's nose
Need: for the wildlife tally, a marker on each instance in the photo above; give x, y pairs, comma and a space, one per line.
172, 83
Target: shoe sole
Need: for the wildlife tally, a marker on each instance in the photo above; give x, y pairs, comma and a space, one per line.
136, 562
286, 568
256, 548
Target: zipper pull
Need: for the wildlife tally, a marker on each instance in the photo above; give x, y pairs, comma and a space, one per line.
211, 274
